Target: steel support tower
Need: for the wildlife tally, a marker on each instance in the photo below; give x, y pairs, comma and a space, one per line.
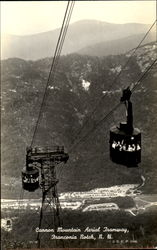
46, 159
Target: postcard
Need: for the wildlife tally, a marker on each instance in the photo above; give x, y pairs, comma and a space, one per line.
78, 123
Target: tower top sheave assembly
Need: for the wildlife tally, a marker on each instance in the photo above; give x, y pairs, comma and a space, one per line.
38, 154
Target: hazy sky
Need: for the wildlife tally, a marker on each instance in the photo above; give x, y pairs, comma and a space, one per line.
24, 17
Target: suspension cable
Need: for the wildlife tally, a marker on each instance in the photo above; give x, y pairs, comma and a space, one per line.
51, 69
144, 75
64, 32
82, 139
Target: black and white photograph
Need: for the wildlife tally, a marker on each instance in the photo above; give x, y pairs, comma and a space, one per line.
78, 124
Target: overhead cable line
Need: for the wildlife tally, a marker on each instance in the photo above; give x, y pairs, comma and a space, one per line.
134, 51
116, 107
52, 66
143, 76
65, 32
96, 125
57, 51
115, 79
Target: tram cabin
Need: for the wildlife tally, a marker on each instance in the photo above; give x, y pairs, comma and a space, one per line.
30, 179
125, 148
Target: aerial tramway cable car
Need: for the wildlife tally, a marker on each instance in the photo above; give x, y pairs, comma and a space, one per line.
30, 178
30, 175
125, 140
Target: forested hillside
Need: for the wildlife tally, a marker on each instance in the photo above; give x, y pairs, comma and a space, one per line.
78, 86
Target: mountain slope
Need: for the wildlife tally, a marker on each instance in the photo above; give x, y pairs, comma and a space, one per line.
115, 47
80, 35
